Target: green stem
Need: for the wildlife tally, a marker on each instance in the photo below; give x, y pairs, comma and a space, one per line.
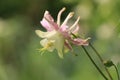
94, 63
92, 59
116, 71
101, 61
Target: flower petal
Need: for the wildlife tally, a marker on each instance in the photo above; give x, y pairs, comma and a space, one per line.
44, 42
48, 16
63, 28
74, 31
67, 44
60, 51
59, 44
46, 25
45, 34
79, 41
48, 22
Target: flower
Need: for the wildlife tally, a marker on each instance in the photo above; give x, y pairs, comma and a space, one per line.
59, 35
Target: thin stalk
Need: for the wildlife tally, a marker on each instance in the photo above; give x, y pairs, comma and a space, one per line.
92, 59
94, 63
101, 60
116, 71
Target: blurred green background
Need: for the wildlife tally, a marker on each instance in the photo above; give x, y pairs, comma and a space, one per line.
19, 59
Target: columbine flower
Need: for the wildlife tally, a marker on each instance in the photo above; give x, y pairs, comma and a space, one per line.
59, 35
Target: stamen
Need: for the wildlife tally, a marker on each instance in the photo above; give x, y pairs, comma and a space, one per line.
75, 24
59, 15
42, 50
67, 18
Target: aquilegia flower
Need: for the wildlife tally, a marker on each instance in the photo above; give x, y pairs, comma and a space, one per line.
59, 35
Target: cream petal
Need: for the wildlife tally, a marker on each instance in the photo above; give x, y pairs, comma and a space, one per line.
59, 44
45, 34
41, 33
44, 42
60, 54
51, 48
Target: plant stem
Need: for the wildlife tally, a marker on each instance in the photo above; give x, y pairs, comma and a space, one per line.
101, 60
116, 71
94, 63
93, 60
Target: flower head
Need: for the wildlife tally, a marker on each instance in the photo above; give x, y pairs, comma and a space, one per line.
59, 35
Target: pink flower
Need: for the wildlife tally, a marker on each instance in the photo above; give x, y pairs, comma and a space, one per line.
59, 35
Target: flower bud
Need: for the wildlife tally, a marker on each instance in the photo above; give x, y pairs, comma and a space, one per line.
108, 63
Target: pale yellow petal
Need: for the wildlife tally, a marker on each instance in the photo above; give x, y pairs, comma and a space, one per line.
44, 42
60, 54
41, 33
59, 45
48, 44
44, 34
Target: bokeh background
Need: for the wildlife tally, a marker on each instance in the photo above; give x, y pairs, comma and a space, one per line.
19, 59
